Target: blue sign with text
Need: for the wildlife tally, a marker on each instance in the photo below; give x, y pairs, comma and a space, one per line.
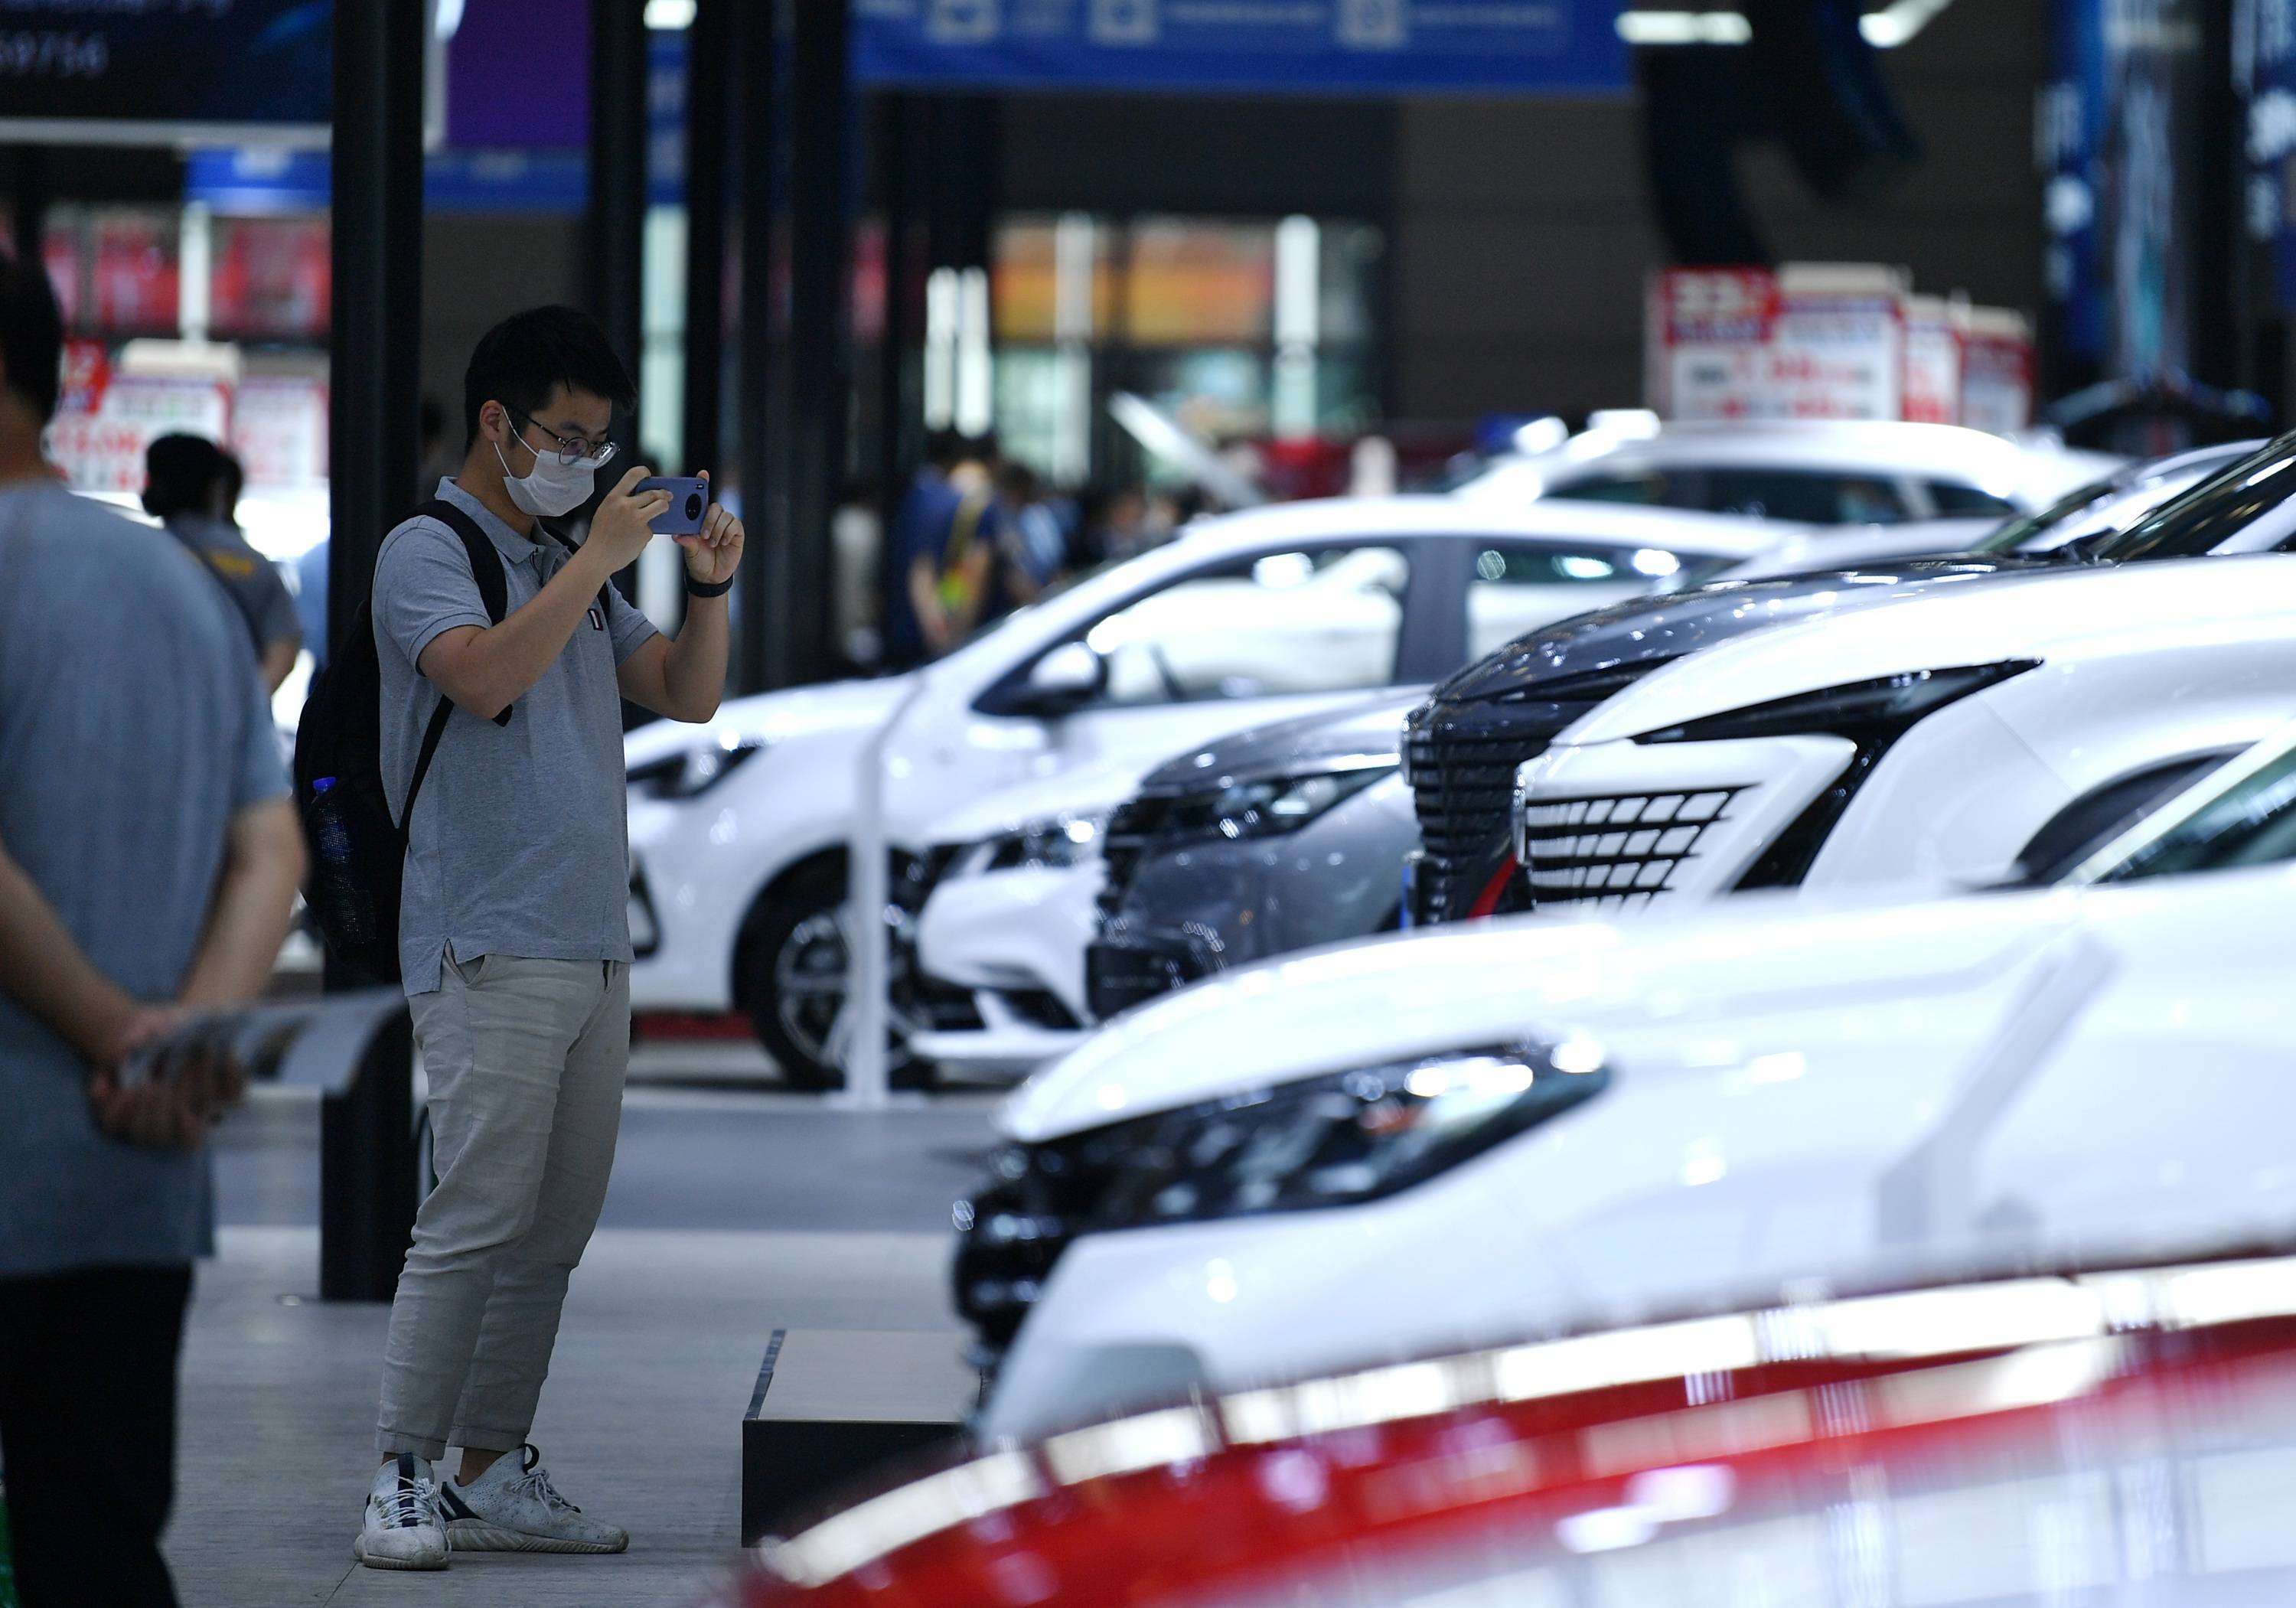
1329, 46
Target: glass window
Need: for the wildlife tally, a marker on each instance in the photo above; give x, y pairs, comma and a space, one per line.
2251, 823
1318, 621
1957, 501
2244, 509
1514, 589
1647, 488
1814, 498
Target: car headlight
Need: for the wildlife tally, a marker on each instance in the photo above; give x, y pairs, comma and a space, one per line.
1337, 1140
1282, 804
697, 770
1057, 843
1885, 707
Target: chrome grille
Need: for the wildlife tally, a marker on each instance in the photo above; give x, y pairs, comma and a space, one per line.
1620, 852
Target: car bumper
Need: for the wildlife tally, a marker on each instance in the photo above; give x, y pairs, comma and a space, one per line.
1018, 931
683, 922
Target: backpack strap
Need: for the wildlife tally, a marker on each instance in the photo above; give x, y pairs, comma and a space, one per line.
494, 592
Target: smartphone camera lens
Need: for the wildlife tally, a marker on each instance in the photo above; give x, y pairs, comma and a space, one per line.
693, 504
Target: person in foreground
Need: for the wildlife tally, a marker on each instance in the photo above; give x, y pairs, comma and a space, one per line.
148, 859
513, 928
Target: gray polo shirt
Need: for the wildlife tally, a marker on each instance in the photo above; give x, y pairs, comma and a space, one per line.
252, 581
519, 843
132, 727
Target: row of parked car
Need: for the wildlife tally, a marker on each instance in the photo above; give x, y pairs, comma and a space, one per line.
1907, 1229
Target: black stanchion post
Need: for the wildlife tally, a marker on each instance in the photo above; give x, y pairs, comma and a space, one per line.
367, 1185
753, 75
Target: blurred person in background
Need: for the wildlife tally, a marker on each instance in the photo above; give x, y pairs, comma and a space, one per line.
1114, 522
951, 580
191, 487
1032, 549
919, 522
148, 857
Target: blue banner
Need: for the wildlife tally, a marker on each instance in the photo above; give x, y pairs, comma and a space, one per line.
1331, 46
150, 72
2264, 77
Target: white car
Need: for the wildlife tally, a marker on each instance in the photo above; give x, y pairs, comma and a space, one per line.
1416, 1144
2090, 512
1818, 472
1014, 900
1946, 735
739, 829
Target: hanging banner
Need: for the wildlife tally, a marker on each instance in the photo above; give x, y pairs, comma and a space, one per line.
2264, 79
88, 72
1366, 46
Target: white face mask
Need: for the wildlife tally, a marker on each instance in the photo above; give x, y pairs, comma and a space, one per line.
549, 487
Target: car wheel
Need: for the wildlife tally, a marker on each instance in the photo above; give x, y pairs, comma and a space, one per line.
791, 976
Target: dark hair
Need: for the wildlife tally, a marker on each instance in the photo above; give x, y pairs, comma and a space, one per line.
528, 355
31, 335
181, 474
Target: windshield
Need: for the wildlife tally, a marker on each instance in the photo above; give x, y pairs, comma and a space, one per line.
2012, 534
2250, 822
2244, 509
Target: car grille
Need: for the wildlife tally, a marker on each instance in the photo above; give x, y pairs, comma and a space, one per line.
1619, 853
1463, 788
1131, 833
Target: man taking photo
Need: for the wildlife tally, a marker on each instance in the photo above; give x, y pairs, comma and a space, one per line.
514, 926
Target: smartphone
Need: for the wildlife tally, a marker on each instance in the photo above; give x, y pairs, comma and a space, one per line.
689, 500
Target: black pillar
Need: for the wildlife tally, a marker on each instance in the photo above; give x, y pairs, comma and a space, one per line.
753, 75
709, 124
614, 220
897, 417
30, 202
368, 1190
819, 370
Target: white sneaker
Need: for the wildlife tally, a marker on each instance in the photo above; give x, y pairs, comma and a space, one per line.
403, 1529
513, 1507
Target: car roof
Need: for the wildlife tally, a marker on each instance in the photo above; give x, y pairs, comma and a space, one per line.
1950, 452
1722, 534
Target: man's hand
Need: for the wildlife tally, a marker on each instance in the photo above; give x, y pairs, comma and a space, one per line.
714, 554
183, 1086
619, 530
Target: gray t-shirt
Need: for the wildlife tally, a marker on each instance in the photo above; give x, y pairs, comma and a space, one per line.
252, 581
132, 725
519, 843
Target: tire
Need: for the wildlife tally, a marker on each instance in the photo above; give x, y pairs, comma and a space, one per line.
800, 937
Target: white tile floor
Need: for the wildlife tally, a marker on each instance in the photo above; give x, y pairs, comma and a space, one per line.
663, 1332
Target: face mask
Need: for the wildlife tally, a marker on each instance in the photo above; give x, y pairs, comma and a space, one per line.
549, 487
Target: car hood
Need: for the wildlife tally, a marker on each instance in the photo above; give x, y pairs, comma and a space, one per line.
1305, 743
1083, 792
2086, 612
1643, 630
838, 706
1386, 1000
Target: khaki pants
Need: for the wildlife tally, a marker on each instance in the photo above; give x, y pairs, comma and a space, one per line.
526, 1060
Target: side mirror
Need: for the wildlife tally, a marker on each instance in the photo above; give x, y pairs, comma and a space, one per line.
1070, 675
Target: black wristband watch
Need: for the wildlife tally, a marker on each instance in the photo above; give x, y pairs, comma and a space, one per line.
694, 588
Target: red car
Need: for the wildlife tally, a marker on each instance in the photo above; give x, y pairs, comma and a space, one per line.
2125, 1437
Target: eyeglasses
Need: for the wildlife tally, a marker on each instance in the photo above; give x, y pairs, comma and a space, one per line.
571, 449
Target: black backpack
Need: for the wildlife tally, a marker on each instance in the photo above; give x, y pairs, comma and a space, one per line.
358, 851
